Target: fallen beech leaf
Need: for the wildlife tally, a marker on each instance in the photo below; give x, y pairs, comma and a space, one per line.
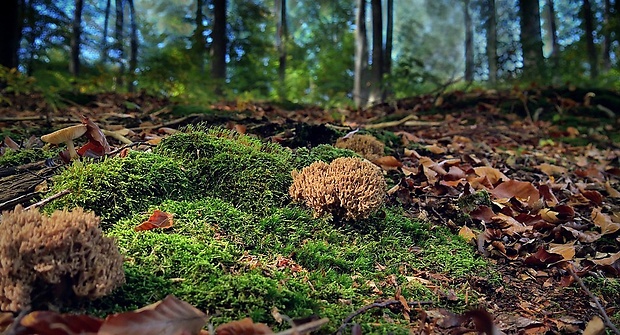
594, 196
388, 162
483, 213
583, 236
434, 148
95, 135
243, 327
467, 234
566, 250
612, 192
52, 323
542, 258
549, 215
9, 143
6, 319
547, 195
158, 219
608, 260
494, 175
521, 190
596, 326
604, 222
552, 170
170, 316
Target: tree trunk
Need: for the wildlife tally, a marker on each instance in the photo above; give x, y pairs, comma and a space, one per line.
469, 45
589, 35
118, 44
360, 90
218, 47
607, 36
133, 44
281, 38
552, 29
376, 79
200, 43
104, 40
389, 33
492, 41
74, 64
9, 38
531, 41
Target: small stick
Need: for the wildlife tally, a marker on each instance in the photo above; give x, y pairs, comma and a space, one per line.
594, 298
20, 199
305, 328
383, 304
43, 202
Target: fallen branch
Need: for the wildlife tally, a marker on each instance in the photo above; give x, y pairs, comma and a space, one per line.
22, 198
383, 304
44, 202
389, 124
596, 300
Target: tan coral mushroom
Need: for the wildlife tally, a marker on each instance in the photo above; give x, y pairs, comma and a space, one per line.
367, 146
66, 135
65, 249
349, 188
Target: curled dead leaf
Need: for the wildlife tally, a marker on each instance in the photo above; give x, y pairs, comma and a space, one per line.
158, 219
243, 327
604, 222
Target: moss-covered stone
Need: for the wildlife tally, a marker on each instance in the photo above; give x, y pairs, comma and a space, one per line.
117, 187
243, 170
236, 264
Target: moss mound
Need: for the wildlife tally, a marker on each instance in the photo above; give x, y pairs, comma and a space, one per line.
322, 152
116, 187
25, 156
247, 172
236, 264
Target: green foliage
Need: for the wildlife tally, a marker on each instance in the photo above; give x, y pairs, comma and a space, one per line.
25, 156
235, 264
116, 187
323, 152
250, 174
14, 82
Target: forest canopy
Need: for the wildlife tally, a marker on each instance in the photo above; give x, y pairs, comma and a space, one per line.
343, 52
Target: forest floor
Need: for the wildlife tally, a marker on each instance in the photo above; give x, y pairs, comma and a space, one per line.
547, 225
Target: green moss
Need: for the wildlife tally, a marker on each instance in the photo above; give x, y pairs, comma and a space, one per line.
225, 261
117, 187
323, 152
243, 170
25, 156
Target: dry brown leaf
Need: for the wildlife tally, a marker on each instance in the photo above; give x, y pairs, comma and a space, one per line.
388, 162
170, 316
583, 236
549, 215
434, 148
604, 222
494, 175
467, 234
542, 258
158, 219
552, 170
596, 326
521, 190
52, 323
9, 143
243, 327
6, 319
96, 136
566, 250
612, 192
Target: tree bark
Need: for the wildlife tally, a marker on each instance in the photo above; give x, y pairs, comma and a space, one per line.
491, 47
589, 35
133, 47
376, 79
74, 64
200, 43
531, 40
104, 40
553, 34
9, 38
389, 33
607, 36
469, 45
360, 90
281, 39
118, 45
218, 47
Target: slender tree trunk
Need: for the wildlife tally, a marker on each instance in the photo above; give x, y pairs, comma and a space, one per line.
389, 33
492, 41
376, 79
31, 36
200, 43
218, 47
553, 35
531, 40
589, 35
607, 36
119, 43
104, 40
360, 89
469, 45
9, 36
133, 50
281, 40
74, 64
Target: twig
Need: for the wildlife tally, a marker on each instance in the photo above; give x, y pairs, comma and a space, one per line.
48, 199
594, 298
390, 123
133, 144
14, 326
305, 328
18, 200
383, 304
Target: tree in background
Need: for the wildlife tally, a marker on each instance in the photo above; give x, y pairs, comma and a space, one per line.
491, 40
11, 33
104, 40
469, 44
607, 39
588, 27
531, 41
218, 46
118, 44
281, 40
376, 69
551, 35
74, 64
199, 42
133, 47
360, 88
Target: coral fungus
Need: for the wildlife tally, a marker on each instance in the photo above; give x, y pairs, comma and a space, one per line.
366, 145
349, 188
67, 249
